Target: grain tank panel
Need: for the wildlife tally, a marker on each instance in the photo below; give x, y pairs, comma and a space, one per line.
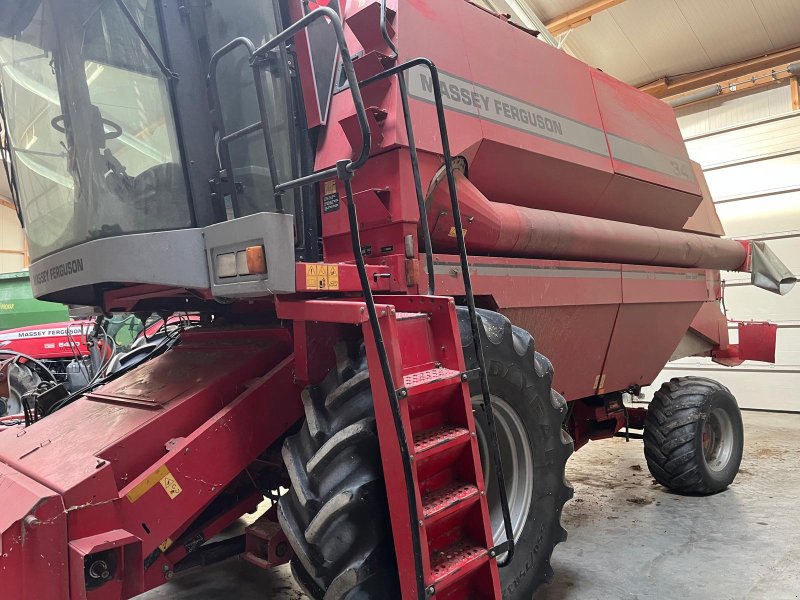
538, 128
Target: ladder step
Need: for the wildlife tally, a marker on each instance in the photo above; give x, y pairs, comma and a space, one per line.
439, 439
456, 562
425, 381
438, 504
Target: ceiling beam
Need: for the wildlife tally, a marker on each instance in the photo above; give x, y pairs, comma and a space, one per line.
732, 87
682, 84
579, 16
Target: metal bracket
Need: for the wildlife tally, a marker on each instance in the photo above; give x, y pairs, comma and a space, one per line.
499, 550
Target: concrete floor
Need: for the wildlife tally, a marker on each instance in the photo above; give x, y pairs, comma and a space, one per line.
628, 537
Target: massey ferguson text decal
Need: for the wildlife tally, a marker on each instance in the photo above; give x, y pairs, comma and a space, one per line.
24, 334
470, 98
58, 271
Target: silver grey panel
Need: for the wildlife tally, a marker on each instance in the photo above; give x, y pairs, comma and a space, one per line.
643, 156
272, 230
173, 258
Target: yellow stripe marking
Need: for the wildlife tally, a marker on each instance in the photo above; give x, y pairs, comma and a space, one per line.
148, 482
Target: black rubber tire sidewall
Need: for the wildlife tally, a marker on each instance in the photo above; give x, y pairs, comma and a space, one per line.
673, 435
535, 544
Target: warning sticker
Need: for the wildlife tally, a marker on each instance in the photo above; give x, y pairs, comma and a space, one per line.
170, 485
452, 233
330, 201
333, 277
322, 277
164, 546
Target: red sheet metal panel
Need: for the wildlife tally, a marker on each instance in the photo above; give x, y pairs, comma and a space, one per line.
530, 120
657, 308
574, 338
645, 335
569, 307
643, 136
32, 525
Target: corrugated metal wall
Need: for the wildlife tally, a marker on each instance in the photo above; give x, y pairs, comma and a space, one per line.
749, 148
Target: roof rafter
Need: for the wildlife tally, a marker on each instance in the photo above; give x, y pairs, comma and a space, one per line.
667, 87
579, 16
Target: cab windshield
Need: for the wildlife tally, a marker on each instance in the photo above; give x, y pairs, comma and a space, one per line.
89, 119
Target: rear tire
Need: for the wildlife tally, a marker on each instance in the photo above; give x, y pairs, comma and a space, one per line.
335, 514
693, 436
529, 419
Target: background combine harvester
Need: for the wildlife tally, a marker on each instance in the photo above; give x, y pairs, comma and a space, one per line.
386, 348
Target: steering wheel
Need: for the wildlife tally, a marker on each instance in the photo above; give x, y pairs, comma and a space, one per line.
116, 130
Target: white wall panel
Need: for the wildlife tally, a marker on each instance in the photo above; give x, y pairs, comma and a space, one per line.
761, 388
757, 141
749, 147
750, 217
755, 177
746, 302
719, 113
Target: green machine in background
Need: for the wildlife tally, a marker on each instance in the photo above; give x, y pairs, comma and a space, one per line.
18, 307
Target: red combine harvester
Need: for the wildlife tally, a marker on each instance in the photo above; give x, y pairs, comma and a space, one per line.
301, 178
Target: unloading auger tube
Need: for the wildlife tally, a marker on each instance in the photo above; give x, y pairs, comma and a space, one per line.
497, 229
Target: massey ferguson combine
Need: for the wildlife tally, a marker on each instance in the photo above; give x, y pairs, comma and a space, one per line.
376, 210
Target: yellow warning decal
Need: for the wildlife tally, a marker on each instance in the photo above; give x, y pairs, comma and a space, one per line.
322, 277
452, 233
160, 475
170, 485
333, 277
163, 546
330, 187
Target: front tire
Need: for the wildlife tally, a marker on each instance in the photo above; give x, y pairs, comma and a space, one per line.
534, 447
693, 436
335, 514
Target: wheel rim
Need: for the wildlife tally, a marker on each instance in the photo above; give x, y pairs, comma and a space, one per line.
717, 439
517, 457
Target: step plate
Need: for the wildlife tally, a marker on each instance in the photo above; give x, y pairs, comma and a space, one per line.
430, 376
447, 435
461, 558
444, 500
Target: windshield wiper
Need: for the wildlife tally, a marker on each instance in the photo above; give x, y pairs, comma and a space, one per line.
168, 73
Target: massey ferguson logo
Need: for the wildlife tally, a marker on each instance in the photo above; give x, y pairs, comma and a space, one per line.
463, 95
55, 272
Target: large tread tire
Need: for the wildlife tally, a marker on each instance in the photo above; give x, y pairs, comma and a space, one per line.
335, 514
522, 378
673, 435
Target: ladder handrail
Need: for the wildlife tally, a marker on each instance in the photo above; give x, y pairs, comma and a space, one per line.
506, 547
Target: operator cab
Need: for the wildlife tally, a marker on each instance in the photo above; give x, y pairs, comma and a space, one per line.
114, 141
